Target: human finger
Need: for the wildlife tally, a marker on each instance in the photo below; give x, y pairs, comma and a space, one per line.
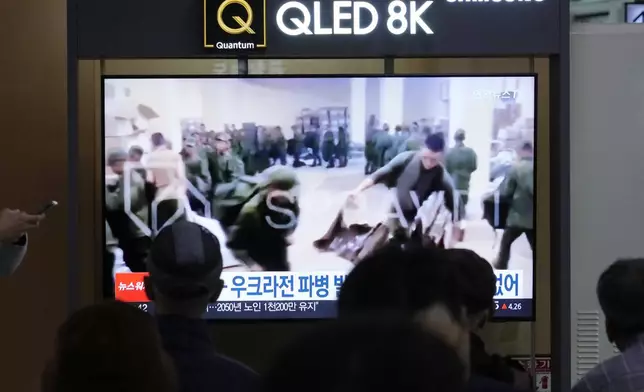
31, 219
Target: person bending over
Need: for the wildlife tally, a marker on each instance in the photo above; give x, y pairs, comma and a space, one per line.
410, 280
14, 225
185, 265
109, 347
415, 175
379, 353
620, 291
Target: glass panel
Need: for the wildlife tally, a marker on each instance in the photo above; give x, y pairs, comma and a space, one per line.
461, 65
170, 67
312, 66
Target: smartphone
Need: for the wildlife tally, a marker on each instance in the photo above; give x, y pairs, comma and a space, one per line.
47, 207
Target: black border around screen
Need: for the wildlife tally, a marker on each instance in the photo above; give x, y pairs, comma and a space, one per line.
533, 75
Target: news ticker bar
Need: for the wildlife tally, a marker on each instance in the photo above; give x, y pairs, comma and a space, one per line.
279, 310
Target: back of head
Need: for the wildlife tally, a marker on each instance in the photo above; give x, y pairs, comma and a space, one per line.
365, 355
397, 279
112, 346
474, 279
185, 265
435, 142
620, 291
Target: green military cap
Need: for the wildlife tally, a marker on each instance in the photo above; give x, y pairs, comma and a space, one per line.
222, 136
459, 134
282, 177
115, 155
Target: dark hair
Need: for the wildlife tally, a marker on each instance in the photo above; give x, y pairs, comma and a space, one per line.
135, 150
400, 280
111, 346
474, 279
185, 261
620, 290
435, 142
366, 355
527, 146
157, 139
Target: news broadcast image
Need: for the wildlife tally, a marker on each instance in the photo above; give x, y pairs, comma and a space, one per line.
301, 178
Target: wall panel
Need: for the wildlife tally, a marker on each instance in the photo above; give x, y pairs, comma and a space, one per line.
34, 170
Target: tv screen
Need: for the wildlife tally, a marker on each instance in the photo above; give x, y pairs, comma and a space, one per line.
301, 178
634, 13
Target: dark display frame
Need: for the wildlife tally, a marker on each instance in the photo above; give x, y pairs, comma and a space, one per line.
120, 29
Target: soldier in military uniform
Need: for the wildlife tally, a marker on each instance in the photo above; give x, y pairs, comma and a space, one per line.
370, 152
298, 146
259, 213
277, 146
197, 174
518, 191
236, 139
312, 142
415, 140
328, 148
131, 238
342, 148
397, 140
262, 157
383, 142
461, 162
223, 166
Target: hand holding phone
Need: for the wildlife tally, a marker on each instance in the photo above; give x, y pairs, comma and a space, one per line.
51, 204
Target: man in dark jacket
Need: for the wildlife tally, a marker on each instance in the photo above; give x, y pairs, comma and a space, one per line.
185, 266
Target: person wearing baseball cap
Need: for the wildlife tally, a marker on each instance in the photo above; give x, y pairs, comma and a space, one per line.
185, 265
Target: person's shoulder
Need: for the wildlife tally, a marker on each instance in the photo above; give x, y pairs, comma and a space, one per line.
406, 156
608, 372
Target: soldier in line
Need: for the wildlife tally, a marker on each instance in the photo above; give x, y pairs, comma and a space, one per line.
277, 146
223, 166
196, 173
262, 159
461, 162
298, 146
237, 137
518, 191
370, 152
131, 239
415, 140
328, 148
259, 213
342, 148
312, 142
396, 141
383, 142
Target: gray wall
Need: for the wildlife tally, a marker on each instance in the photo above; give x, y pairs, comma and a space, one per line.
607, 171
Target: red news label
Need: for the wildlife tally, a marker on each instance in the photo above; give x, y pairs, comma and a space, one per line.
130, 287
